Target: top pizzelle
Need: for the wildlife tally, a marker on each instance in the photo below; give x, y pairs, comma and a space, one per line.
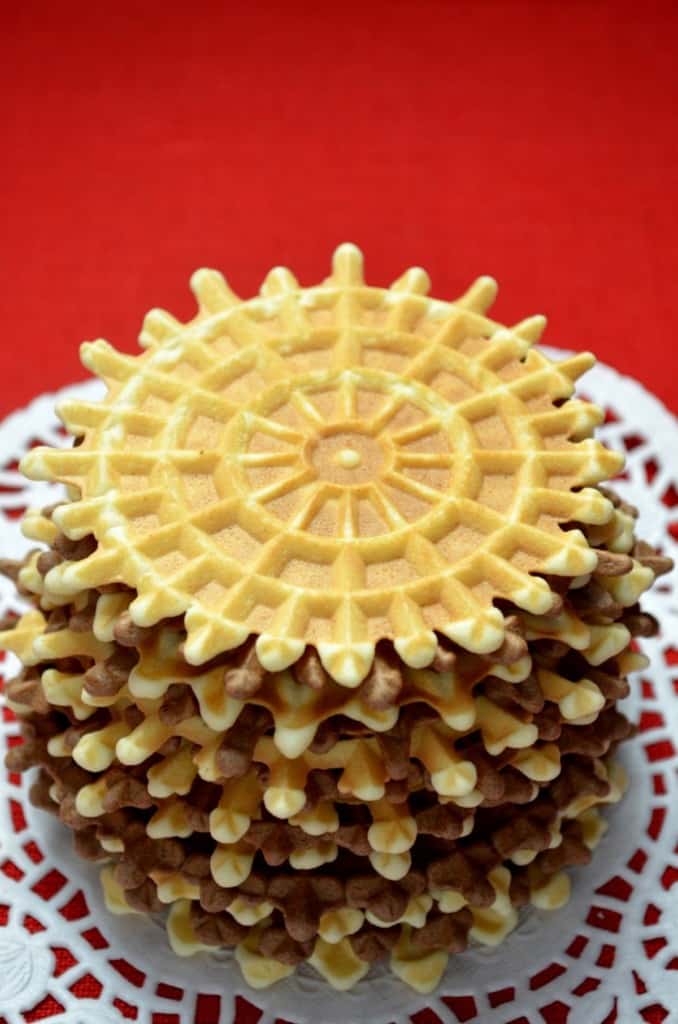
335, 466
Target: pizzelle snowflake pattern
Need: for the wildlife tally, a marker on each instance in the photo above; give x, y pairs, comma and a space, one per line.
333, 466
612, 950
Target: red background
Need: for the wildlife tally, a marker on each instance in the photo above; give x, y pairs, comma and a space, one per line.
532, 141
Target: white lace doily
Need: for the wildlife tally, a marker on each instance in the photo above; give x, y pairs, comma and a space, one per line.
611, 954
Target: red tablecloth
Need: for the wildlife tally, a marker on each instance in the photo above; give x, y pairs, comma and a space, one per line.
532, 141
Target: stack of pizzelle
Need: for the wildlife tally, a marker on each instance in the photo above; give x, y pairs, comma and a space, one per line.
326, 643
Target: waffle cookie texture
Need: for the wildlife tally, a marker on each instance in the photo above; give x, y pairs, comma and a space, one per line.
325, 644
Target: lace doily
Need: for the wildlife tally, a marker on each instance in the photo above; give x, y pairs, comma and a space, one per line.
609, 955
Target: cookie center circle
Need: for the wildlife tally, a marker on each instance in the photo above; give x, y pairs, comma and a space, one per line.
347, 457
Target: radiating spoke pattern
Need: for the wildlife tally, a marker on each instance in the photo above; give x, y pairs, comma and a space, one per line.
333, 466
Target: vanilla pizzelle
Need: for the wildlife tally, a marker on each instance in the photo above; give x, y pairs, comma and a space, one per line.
326, 643
331, 466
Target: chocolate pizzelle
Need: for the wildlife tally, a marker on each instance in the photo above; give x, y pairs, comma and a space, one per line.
326, 642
